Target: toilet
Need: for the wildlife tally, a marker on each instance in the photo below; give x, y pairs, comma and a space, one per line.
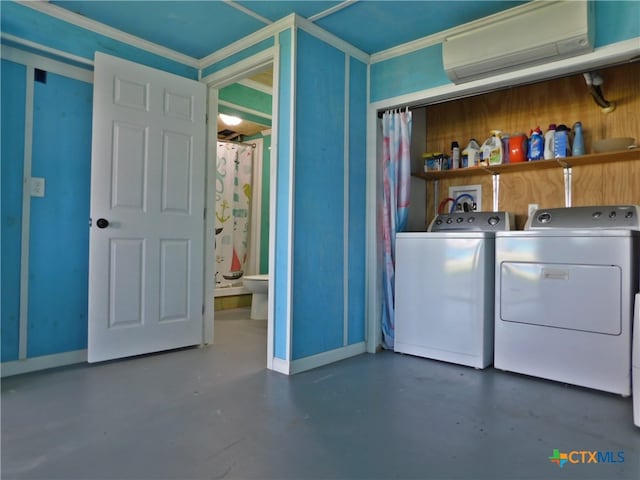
259, 287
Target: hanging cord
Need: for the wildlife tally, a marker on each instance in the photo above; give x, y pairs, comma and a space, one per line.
457, 199
443, 203
594, 82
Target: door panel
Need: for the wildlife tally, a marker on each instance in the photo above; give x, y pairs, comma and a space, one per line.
148, 157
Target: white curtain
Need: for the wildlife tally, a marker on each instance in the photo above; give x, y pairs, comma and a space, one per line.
234, 168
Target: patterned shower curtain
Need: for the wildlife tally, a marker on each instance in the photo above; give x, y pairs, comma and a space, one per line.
396, 166
234, 169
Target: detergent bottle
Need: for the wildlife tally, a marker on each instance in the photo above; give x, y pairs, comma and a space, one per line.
491, 150
549, 137
536, 144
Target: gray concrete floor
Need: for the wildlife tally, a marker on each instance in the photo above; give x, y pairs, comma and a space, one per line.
216, 412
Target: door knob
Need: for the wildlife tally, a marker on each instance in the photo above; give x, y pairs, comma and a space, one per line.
102, 223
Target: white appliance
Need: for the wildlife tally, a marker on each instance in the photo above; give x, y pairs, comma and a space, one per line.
636, 363
444, 288
508, 42
564, 296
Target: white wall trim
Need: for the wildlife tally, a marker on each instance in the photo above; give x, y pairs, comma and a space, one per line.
102, 29
325, 358
59, 68
604, 56
43, 48
273, 178
247, 11
33, 364
241, 69
345, 189
332, 10
439, 37
331, 39
247, 42
256, 208
281, 366
242, 108
291, 199
26, 214
261, 87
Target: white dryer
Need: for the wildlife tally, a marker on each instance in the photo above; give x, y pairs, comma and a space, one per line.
444, 288
565, 290
636, 363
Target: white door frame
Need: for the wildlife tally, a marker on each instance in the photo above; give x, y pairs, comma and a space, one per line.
215, 82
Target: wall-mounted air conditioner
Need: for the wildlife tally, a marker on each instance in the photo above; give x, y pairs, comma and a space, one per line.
537, 33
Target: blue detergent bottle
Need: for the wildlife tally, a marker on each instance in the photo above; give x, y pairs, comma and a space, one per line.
578, 139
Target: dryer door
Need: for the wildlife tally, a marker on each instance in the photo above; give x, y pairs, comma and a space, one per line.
573, 297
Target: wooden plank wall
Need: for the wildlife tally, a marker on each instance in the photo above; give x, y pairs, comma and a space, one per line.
565, 100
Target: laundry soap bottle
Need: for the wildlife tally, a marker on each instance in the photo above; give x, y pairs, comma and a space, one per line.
536, 144
491, 150
562, 142
549, 137
578, 139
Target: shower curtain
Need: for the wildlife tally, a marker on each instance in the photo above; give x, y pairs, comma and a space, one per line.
396, 166
234, 169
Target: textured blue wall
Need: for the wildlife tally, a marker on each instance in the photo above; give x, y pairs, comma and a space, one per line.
29, 24
318, 275
236, 57
357, 198
13, 84
59, 241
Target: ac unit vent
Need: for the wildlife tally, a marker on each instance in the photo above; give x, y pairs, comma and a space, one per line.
543, 32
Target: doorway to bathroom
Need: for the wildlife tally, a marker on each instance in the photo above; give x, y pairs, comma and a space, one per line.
239, 197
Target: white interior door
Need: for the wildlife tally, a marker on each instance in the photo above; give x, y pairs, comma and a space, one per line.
146, 254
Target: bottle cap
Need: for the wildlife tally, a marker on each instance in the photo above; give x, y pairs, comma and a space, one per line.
455, 145
552, 126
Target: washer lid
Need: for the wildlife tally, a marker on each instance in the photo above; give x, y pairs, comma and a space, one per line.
590, 217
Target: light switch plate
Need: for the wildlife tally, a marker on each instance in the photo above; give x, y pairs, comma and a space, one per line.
37, 187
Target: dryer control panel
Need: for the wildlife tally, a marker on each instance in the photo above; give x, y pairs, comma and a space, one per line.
592, 217
472, 222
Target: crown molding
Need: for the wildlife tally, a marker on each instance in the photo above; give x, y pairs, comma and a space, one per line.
97, 27
332, 10
261, 87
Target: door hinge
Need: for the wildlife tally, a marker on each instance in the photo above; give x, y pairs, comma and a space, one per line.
203, 309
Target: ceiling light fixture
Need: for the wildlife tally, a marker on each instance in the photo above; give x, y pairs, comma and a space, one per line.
230, 120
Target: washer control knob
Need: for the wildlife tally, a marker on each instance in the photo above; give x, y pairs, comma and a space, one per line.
612, 214
438, 221
544, 217
471, 219
494, 220
629, 214
449, 220
596, 214
459, 220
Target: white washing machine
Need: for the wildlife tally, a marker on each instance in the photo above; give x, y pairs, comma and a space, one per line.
444, 288
565, 290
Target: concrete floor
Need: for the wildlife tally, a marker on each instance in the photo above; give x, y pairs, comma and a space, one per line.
215, 412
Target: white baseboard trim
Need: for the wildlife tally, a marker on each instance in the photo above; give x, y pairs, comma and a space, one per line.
281, 366
34, 364
325, 358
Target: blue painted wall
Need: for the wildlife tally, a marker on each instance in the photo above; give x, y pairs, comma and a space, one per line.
357, 199
13, 88
29, 24
615, 21
318, 273
59, 240
236, 57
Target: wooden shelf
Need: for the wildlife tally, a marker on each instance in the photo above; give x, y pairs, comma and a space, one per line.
591, 159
